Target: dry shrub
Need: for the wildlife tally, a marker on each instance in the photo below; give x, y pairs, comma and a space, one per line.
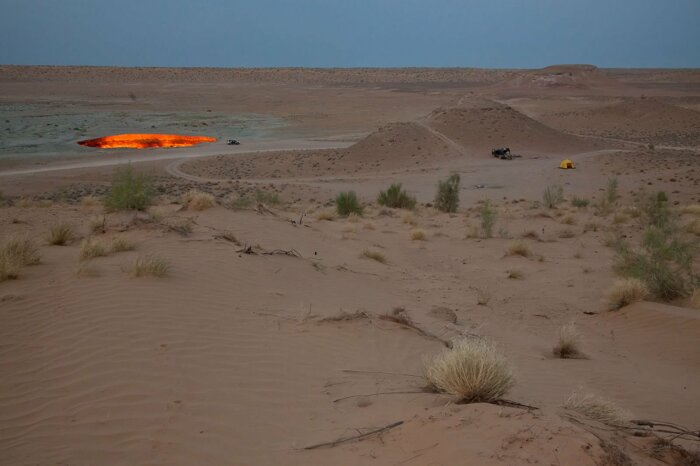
150, 266
691, 209
122, 245
591, 226
473, 369
515, 274
694, 299
566, 234
626, 291
15, 254
519, 248
614, 456
409, 219
694, 227
598, 409
368, 226
23, 203
620, 218
86, 271
198, 200
418, 234
325, 215
568, 346
60, 235
91, 248
98, 224
530, 234
374, 255
569, 220
90, 201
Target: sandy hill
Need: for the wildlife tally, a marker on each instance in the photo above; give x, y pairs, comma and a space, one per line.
482, 125
640, 119
399, 144
564, 77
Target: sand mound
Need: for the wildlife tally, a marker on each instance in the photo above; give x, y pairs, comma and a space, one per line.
397, 144
564, 77
482, 125
643, 119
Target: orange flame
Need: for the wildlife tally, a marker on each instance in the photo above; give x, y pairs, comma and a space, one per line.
143, 141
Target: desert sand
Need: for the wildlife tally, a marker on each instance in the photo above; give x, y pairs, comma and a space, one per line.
272, 330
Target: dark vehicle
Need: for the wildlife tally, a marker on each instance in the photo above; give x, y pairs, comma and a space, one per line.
502, 153
233, 142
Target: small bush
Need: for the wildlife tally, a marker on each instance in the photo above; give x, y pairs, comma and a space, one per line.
579, 202
409, 219
197, 200
346, 203
263, 197
611, 191
597, 409
325, 215
418, 234
515, 274
396, 197
569, 342
122, 245
60, 235
473, 369
374, 255
519, 248
488, 218
20, 252
447, 197
130, 190
691, 209
98, 224
625, 292
150, 266
90, 201
552, 196
91, 248
237, 203
15, 254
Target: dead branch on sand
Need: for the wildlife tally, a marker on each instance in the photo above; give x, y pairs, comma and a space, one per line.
283, 252
401, 317
402, 392
355, 438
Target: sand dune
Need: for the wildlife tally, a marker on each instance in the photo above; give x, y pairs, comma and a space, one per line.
481, 125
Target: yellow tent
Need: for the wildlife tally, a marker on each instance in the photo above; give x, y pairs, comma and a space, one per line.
566, 163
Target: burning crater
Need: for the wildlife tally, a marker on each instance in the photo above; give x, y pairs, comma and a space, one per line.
144, 141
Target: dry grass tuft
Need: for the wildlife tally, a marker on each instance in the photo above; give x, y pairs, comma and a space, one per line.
519, 248
418, 234
569, 220
694, 227
597, 409
374, 255
86, 271
515, 274
16, 253
60, 235
530, 234
91, 248
346, 317
691, 209
473, 369
122, 245
626, 291
90, 201
614, 456
150, 266
198, 200
98, 224
409, 219
326, 216
568, 346
694, 300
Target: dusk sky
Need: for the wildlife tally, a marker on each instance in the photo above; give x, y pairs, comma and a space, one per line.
351, 33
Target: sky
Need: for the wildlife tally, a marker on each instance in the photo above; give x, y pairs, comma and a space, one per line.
351, 33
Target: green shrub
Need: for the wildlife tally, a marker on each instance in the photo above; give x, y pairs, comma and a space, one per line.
396, 197
579, 202
488, 218
447, 197
346, 203
552, 196
663, 260
611, 193
130, 190
263, 197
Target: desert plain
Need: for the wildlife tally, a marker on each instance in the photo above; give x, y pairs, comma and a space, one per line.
239, 318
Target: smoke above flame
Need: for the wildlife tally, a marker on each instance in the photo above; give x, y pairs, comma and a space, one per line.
144, 141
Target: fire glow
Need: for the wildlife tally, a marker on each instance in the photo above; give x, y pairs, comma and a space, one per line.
145, 141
